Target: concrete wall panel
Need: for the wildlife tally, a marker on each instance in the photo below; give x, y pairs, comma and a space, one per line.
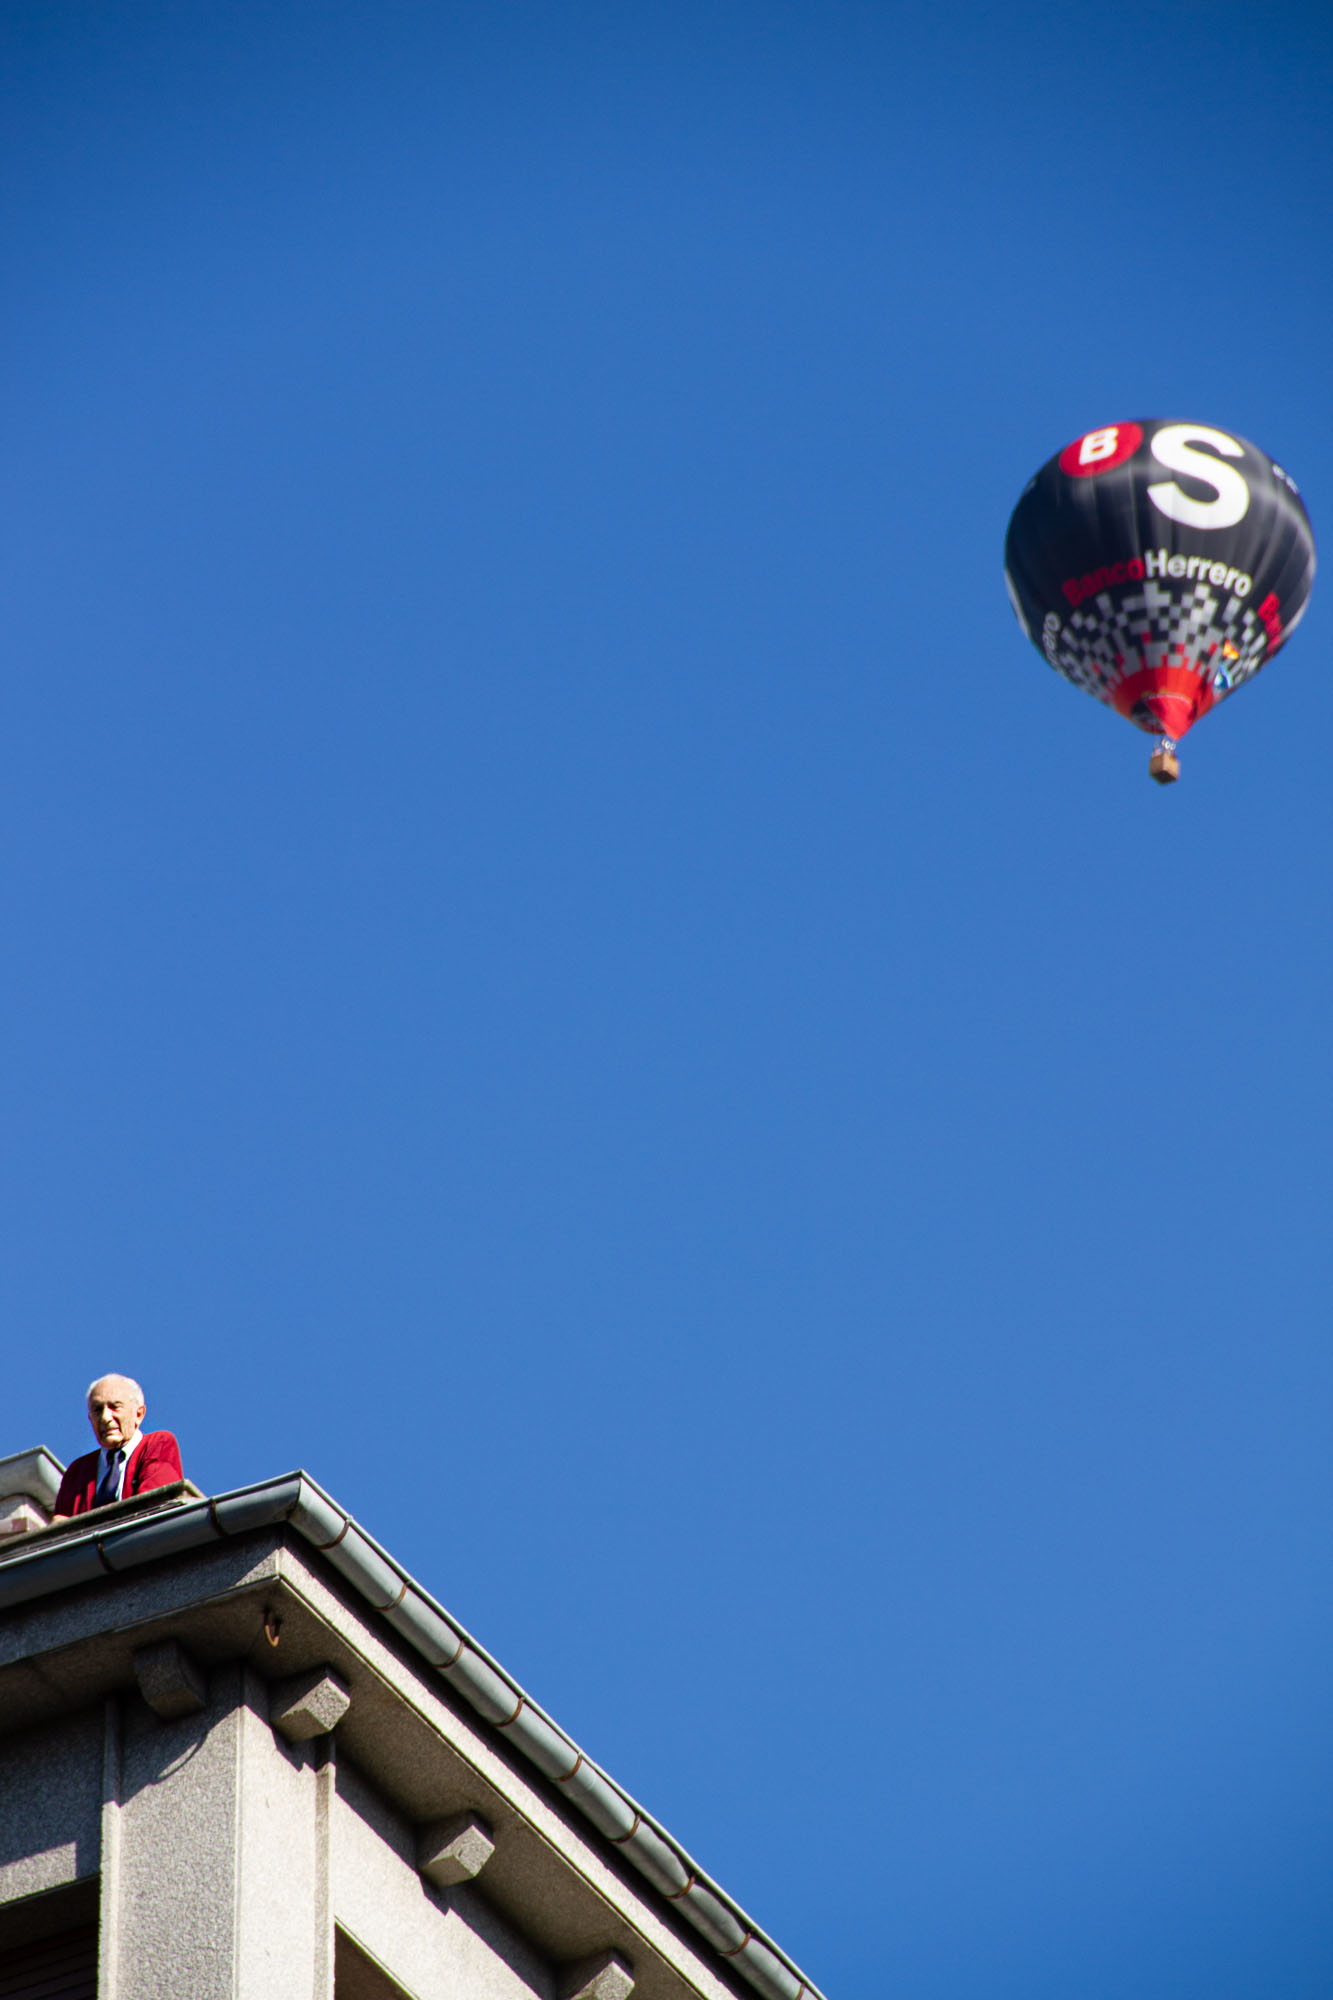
218, 1893
280, 1906
179, 1800
438, 1944
50, 1806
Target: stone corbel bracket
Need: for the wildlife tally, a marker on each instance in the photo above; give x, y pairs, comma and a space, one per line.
606, 1976
454, 1850
170, 1680
309, 1705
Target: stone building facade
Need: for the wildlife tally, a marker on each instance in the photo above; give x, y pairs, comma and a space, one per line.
243, 1756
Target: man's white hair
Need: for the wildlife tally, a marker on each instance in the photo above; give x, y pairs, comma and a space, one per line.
128, 1380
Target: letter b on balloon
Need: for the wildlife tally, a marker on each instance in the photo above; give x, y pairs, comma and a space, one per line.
1101, 451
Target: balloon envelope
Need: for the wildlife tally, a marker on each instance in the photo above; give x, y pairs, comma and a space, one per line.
1158, 565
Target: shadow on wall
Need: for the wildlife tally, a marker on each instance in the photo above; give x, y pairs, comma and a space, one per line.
358, 1976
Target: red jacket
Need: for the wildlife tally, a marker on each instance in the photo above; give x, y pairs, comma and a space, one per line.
155, 1461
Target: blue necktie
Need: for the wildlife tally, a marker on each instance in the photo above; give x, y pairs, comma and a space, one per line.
110, 1481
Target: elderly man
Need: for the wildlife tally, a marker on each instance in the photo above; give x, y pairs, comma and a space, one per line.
127, 1461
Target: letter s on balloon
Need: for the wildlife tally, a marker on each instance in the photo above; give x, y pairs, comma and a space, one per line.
1173, 448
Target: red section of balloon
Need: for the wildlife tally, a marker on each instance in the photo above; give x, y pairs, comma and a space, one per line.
1101, 451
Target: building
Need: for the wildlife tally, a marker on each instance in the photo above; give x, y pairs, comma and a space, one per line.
243, 1756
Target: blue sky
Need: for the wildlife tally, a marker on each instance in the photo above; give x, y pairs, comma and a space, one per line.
570, 971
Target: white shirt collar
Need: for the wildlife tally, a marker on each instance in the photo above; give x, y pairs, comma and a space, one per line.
109, 1450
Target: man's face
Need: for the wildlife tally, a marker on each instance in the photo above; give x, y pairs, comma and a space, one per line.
114, 1412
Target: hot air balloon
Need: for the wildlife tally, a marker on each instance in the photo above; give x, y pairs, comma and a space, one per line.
1158, 565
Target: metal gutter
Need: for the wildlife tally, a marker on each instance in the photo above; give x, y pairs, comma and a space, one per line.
453, 1654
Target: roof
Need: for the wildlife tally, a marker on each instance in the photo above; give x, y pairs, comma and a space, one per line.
33, 1474
114, 1542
